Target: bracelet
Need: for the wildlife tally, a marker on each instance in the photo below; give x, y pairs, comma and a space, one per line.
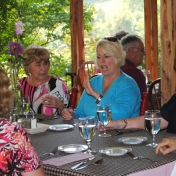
125, 123
98, 99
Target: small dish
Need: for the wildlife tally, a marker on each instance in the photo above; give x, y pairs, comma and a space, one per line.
40, 128
115, 151
73, 148
61, 127
132, 140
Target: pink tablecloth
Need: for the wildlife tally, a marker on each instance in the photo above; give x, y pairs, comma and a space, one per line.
164, 170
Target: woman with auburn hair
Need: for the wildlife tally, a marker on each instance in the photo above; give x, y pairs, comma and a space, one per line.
17, 155
48, 94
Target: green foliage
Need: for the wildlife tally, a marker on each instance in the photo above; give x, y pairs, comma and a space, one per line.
46, 23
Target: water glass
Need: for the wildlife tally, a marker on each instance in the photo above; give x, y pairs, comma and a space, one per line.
104, 114
87, 128
13, 114
152, 124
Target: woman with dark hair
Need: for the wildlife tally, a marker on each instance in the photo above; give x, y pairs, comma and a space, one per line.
17, 155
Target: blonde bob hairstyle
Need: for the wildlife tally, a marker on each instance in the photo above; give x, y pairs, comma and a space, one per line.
6, 96
112, 48
35, 53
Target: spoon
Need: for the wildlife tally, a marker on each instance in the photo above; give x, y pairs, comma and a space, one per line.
98, 162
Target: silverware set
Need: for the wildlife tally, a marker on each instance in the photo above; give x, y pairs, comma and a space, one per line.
84, 164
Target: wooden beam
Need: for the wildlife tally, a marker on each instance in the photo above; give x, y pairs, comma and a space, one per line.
168, 49
151, 37
77, 33
77, 38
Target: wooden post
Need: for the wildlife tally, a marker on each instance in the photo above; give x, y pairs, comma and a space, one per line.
151, 37
77, 37
168, 49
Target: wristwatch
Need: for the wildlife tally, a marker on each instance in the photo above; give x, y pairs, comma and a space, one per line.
98, 99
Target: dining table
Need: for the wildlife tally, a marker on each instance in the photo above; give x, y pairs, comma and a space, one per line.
121, 165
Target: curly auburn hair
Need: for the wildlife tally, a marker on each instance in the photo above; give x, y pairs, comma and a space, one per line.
34, 53
6, 95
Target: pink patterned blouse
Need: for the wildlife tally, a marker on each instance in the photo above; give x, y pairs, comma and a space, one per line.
54, 87
16, 151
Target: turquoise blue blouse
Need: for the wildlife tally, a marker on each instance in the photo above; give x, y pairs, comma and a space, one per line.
123, 95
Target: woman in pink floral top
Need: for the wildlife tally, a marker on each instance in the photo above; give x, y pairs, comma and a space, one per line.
17, 155
48, 95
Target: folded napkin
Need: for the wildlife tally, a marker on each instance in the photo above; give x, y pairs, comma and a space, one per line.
67, 159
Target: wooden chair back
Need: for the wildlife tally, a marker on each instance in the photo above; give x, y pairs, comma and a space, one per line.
154, 94
73, 97
144, 103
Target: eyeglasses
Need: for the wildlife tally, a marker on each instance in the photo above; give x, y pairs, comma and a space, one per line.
111, 39
141, 49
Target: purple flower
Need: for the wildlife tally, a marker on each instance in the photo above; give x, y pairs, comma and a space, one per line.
19, 27
15, 49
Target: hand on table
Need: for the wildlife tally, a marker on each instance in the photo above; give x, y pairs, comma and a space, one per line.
167, 145
67, 114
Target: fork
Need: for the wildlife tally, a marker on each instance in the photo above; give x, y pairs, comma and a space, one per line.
51, 153
141, 157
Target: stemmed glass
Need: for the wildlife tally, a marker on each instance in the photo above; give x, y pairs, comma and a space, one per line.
152, 124
104, 116
87, 127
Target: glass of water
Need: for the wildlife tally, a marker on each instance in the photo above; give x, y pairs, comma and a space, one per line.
152, 124
87, 127
13, 114
104, 114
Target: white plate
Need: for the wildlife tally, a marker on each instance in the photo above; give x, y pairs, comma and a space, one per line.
40, 128
61, 127
132, 140
115, 151
73, 148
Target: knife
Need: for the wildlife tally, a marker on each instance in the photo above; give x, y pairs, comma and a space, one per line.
127, 131
78, 165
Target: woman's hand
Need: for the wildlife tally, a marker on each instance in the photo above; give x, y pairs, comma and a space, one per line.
111, 125
67, 114
52, 102
167, 145
88, 86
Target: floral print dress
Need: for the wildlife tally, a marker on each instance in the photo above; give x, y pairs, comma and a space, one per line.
16, 151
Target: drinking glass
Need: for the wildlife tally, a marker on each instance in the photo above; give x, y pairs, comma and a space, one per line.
25, 105
87, 127
13, 114
104, 114
152, 124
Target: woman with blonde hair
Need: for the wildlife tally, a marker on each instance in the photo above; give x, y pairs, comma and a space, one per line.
17, 155
113, 86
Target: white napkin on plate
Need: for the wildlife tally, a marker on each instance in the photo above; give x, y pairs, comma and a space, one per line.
67, 159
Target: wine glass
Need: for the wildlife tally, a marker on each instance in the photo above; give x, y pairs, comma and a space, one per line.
104, 114
152, 124
87, 127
